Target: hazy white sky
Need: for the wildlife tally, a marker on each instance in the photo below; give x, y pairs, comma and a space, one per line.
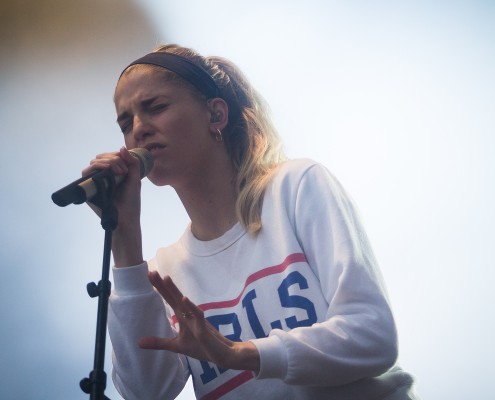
395, 97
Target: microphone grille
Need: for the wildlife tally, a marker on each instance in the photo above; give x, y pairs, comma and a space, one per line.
145, 160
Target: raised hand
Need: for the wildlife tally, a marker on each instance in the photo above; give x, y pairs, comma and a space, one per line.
127, 242
197, 338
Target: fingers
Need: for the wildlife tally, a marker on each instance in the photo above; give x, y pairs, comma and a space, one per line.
192, 308
166, 287
196, 336
106, 161
172, 295
132, 162
121, 162
184, 308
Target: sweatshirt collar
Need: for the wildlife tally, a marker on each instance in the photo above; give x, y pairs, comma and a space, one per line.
210, 247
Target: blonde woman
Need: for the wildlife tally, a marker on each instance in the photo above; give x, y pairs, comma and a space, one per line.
272, 291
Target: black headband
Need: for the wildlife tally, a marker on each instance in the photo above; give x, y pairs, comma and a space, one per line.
183, 67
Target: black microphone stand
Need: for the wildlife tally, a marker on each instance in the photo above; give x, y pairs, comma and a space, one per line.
96, 383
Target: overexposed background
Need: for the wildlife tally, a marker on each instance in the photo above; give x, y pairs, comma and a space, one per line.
395, 97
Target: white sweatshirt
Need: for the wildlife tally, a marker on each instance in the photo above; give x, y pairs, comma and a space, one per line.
306, 291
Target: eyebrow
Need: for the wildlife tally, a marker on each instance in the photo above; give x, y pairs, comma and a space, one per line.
143, 103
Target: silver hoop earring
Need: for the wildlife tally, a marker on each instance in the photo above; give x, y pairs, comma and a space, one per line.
218, 136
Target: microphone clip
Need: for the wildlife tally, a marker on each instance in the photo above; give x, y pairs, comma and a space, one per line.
105, 187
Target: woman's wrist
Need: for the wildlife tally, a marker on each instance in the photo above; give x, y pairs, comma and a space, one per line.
248, 355
127, 247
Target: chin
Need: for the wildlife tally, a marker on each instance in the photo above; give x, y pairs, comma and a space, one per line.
157, 182
158, 179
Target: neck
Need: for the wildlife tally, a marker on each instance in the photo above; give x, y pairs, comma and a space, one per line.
210, 203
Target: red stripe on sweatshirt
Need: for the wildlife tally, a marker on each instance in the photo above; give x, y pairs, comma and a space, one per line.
228, 386
276, 269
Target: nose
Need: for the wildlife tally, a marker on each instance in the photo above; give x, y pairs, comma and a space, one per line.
141, 128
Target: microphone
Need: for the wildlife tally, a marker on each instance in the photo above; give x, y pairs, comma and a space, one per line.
88, 187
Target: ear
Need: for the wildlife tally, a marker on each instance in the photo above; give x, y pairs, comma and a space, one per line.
219, 111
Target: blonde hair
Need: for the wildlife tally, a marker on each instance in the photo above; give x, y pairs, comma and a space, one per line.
251, 140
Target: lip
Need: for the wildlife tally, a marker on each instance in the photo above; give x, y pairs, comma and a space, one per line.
154, 147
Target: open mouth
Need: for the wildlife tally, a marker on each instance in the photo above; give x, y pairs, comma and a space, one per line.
153, 147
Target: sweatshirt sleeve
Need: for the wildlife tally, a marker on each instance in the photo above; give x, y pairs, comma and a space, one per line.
136, 310
357, 338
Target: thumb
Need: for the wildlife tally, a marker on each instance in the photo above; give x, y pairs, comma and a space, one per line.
132, 162
154, 343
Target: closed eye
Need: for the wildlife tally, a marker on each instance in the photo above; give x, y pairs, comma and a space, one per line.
125, 126
157, 108
153, 105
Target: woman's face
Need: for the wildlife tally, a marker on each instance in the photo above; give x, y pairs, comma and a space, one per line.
168, 119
